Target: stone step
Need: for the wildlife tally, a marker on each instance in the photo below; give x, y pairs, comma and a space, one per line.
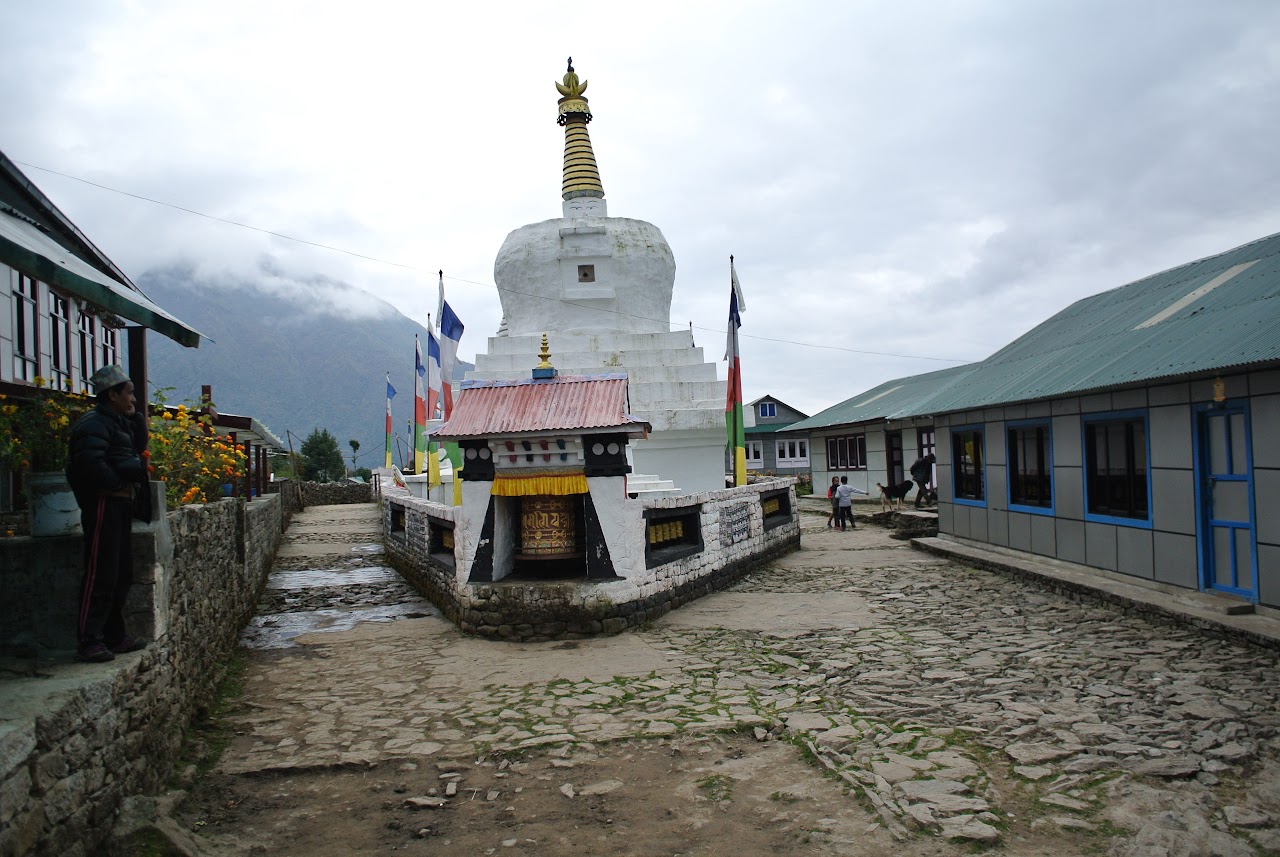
649, 485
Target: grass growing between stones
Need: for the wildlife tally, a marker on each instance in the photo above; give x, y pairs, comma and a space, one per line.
717, 787
208, 736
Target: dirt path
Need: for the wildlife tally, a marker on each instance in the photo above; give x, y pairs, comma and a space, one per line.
856, 698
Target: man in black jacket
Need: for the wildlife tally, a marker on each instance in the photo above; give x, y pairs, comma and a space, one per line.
922, 475
106, 472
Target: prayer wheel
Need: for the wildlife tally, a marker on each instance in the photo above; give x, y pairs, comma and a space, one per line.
547, 526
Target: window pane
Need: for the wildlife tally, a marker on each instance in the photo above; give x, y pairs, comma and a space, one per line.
967, 451
1117, 461
1238, 457
1222, 568
1218, 444
1244, 559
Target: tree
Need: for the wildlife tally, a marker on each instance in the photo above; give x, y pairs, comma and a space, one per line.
355, 449
321, 457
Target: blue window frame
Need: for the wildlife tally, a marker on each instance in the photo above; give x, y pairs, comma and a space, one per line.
1030, 457
969, 466
768, 409
1117, 478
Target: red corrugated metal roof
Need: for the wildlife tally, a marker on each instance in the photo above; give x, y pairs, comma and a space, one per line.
564, 403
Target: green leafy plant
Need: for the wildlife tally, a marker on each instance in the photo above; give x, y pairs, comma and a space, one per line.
34, 432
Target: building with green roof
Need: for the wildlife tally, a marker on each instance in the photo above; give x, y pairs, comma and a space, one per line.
1135, 431
773, 446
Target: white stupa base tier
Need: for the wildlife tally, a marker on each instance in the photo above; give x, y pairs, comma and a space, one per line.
669, 383
693, 460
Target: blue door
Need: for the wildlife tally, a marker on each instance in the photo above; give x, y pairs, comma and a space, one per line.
1228, 551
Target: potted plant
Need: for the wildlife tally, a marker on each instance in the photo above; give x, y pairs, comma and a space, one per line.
34, 436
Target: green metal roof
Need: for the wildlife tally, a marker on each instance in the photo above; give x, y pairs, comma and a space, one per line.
1218, 313
1214, 314
901, 397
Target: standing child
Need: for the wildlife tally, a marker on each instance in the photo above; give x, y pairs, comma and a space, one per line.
835, 502
844, 497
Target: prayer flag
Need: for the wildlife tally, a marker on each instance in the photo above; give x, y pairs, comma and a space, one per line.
433, 404
450, 333
733, 401
391, 393
419, 408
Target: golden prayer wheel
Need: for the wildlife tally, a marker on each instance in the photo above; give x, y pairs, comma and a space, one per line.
548, 526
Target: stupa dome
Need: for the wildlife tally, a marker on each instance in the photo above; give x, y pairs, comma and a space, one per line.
584, 272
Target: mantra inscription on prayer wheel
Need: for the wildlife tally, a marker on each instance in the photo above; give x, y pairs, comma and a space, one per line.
547, 526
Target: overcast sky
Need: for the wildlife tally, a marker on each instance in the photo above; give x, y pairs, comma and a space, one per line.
925, 180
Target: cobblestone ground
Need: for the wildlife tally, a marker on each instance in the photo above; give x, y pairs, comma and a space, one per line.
952, 704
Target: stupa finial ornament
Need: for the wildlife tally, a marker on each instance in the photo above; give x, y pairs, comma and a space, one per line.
544, 370
581, 175
544, 356
571, 88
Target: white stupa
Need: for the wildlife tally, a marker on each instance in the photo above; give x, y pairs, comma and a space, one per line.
600, 287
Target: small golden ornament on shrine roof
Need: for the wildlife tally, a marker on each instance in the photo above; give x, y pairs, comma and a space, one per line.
545, 355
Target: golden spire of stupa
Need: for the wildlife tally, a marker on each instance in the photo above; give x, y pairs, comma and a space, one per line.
581, 175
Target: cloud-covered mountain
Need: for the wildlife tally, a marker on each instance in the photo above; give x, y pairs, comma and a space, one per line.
296, 353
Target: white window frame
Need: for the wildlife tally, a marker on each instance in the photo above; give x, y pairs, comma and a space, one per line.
86, 339
792, 452
59, 341
109, 344
26, 329
755, 453
768, 409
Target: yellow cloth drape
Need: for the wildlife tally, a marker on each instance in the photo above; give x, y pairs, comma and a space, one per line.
552, 484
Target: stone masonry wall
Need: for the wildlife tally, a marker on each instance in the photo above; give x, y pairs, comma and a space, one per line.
734, 537
335, 493
290, 493
74, 745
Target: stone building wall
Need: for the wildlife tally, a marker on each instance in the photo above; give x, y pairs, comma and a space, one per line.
75, 743
734, 537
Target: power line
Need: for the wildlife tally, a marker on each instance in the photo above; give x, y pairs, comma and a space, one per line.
473, 282
219, 219
716, 330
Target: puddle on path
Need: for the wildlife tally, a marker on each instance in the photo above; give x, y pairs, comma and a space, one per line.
278, 630
314, 577
367, 549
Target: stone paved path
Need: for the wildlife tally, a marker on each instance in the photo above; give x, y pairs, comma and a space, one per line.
944, 697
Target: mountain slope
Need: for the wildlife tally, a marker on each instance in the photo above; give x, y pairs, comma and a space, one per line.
297, 355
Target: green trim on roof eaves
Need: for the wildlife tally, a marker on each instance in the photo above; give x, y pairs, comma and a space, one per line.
32, 263
768, 428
